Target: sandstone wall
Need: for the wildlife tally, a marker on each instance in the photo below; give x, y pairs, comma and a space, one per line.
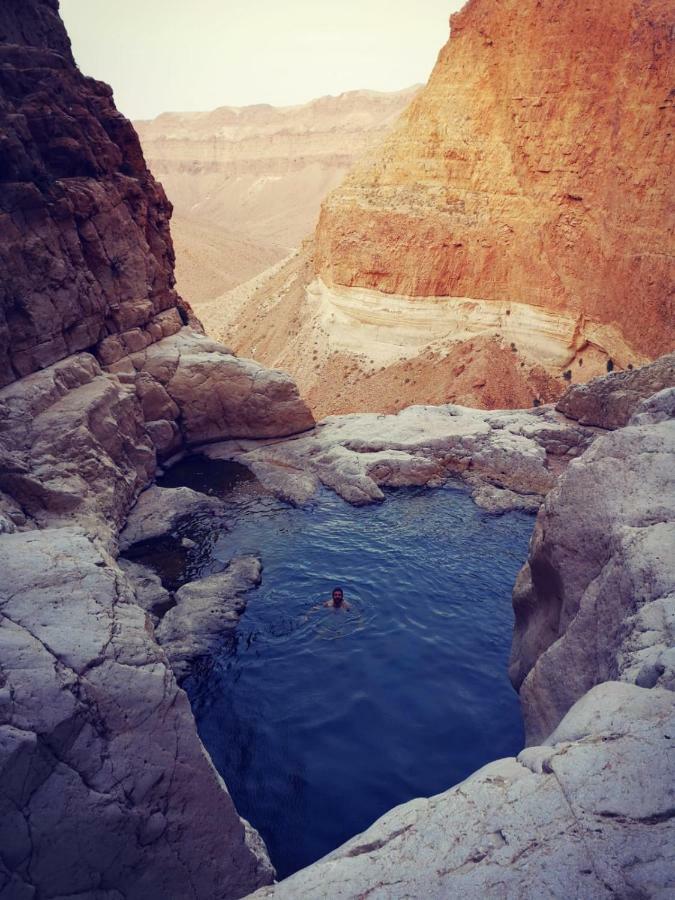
533, 168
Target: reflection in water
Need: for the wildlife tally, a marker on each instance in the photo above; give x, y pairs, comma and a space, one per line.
321, 720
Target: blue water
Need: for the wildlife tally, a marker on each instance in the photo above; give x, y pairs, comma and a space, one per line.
320, 720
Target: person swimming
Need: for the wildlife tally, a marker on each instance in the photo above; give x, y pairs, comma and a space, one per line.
337, 600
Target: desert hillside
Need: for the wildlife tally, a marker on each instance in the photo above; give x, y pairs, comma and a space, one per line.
512, 234
247, 182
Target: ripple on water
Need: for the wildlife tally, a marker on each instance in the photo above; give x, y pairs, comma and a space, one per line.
320, 721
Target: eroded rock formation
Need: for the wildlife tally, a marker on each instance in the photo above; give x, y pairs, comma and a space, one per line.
247, 182
611, 402
105, 788
86, 249
531, 169
513, 233
509, 460
596, 599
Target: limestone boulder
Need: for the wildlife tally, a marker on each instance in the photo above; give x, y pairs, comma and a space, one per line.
74, 443
158, 511
204, 611
595, 599
217, 395
610, 401
658, 408
105, 788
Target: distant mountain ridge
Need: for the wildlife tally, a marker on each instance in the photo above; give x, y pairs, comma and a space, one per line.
247, 182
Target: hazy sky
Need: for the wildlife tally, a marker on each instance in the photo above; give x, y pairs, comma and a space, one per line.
164, 55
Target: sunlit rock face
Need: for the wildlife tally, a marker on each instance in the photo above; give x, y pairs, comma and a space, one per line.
510, 237
247, 182
531, 169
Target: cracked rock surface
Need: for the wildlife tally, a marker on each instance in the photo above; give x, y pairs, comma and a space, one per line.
158, 510
610, 402
596, 599
204, 609
105, 788
509, 459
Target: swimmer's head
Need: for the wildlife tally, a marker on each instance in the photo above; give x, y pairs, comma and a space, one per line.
338, 596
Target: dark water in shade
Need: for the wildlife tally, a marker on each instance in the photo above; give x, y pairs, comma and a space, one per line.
320, 721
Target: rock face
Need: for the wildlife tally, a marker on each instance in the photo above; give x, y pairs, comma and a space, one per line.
596, 600
86, 249
105, 788
204, 610
508, 459
531, 169
263, 171
159, 510
79, 441
610, 402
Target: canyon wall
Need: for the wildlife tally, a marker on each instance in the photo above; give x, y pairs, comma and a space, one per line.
532, 169
247, 182
86, 250
512, 235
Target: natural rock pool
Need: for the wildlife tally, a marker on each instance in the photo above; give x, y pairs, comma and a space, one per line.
320, 720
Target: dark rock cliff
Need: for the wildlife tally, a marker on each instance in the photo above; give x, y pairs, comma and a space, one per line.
86, 250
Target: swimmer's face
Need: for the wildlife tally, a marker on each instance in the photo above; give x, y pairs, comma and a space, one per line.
337, 597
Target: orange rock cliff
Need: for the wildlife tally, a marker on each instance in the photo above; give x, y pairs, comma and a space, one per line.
531, 172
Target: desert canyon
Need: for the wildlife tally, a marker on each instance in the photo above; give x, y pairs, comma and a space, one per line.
247, 183
514, 226
511, 235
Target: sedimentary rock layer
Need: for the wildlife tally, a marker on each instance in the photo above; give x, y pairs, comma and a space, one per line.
247, 182
532, 168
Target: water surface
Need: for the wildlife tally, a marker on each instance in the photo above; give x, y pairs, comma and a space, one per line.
320, 721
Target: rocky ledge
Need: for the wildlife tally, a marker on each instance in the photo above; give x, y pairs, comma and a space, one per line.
508, 459
105, 788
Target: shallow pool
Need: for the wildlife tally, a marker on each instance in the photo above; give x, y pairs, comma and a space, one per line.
320, 720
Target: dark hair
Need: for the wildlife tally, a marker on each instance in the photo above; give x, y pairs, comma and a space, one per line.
337, 588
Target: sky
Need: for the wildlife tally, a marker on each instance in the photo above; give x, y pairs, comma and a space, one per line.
180, 55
